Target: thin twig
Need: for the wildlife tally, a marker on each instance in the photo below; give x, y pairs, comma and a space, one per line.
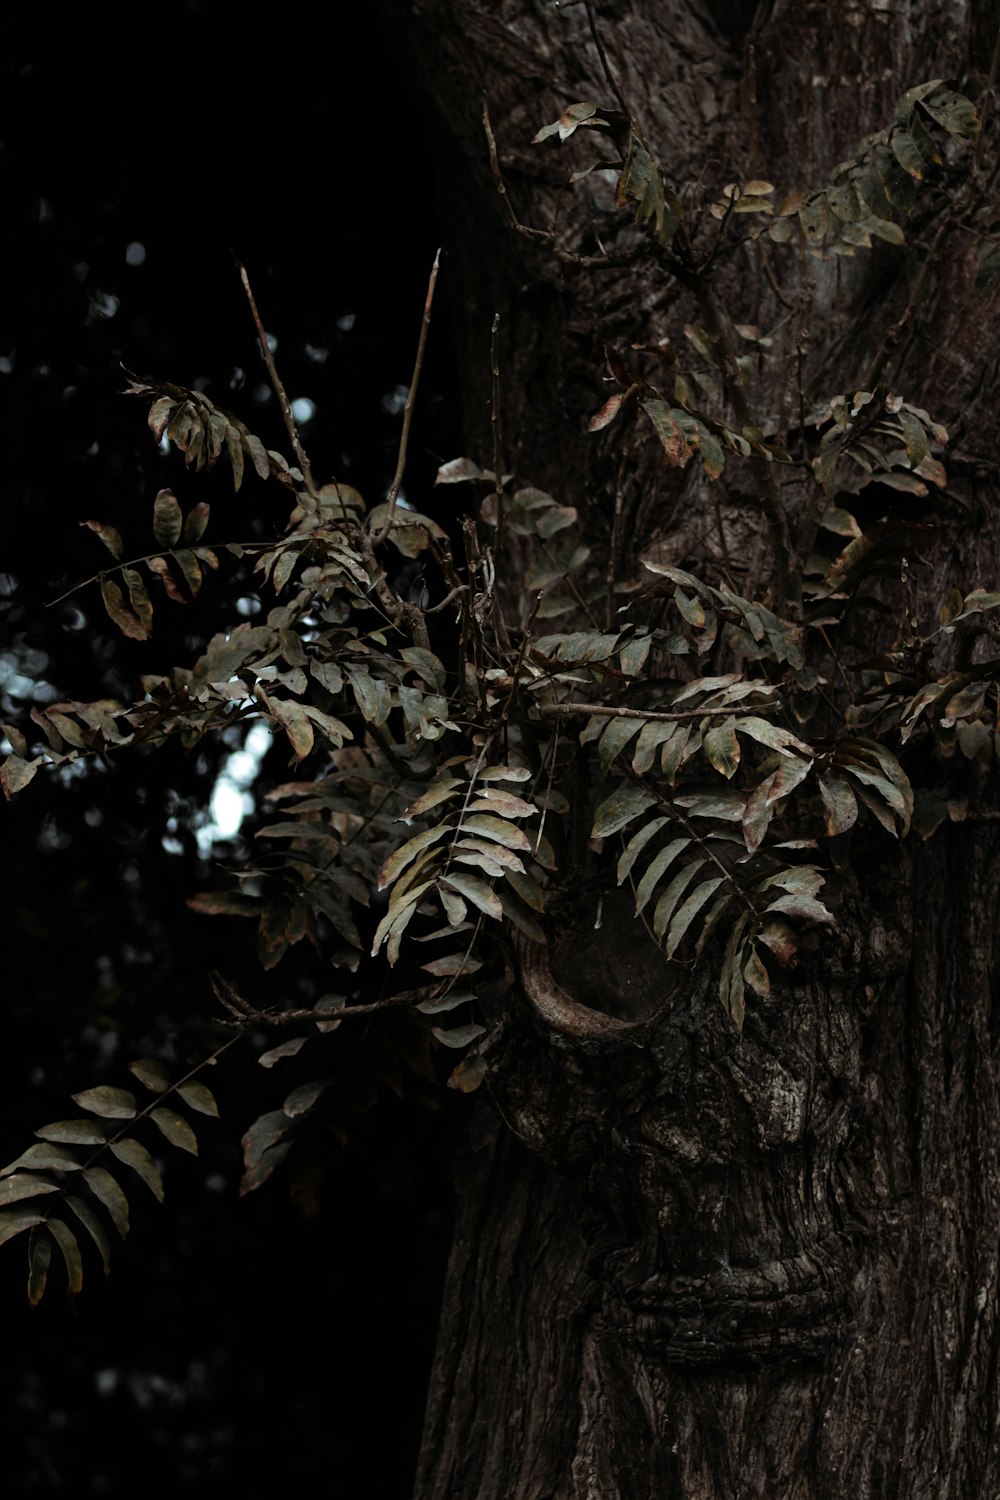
612, 81
279, 389
404, 437
245, 1014
607, 711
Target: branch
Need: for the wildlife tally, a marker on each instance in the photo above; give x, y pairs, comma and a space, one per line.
244, 1014
404, 437
607, 711
279, 389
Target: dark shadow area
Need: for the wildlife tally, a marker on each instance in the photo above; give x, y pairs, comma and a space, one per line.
284, 1338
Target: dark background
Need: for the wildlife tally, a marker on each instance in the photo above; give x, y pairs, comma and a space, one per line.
285, 1337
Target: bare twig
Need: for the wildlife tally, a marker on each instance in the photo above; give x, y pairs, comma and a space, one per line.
244, 1014
279, 389
612, 81
616, 530
404, 437
607, 711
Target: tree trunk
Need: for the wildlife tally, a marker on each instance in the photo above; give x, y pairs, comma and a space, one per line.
701, 1264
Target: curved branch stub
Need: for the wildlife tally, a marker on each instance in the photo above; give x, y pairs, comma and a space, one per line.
556, 1008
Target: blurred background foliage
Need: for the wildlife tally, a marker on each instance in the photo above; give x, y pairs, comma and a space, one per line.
284, 1337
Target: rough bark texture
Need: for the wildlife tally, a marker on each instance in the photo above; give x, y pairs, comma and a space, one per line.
687, 1263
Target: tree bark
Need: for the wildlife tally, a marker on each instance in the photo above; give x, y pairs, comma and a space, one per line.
690, 1263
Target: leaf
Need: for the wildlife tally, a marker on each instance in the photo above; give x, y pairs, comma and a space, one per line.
106, 1189
14, 1220
139, 598
149, 1072
295, 721
15, 773
667, 903
459, 1036
477, 891
114, 603
301, 1100
135, 1155
221, 904
73, 1132
196, 522
39, 1257
726, 803
469, 1074
636, 844
656, 869
198, 1097
108, 535
653, 734
625, 803
778, 937
615, 737
731, 981
806, 907
67, 1242
286, 1049
688, 911
496, 829
108, 1102
398, 861
24, 1185
45, 1158
90, 1221
167, 519
756, 975
722, 748
773, 736
839, 803
176, 1129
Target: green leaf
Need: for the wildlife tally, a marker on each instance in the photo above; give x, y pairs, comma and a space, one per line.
616, 736
39, 1257
149, 1072
167, 519
398, 861
731, 981
722, 748
67, 1242
657, 868
653, 734
88, 1218
24, 1185
45, 1158
14, 1220
625, 803
686, 914
135, 1155
636, 844
476, 891
74, 1132
667, 903
459, 1036
176, 1129
198, 1097
756, 975
301, 1100
773, 736
108, 1102
106, 1188
496, 829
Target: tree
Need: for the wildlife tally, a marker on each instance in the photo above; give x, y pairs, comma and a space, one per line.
705, 1248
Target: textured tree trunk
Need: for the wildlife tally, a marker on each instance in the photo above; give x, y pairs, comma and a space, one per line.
704, 1265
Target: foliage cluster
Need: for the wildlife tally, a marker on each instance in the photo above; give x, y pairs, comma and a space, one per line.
458, 762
